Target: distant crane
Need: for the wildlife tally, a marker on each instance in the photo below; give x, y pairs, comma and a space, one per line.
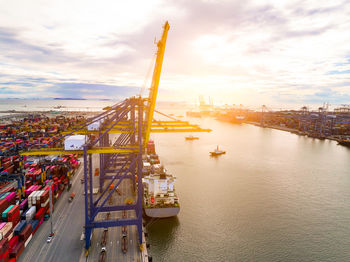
263, 110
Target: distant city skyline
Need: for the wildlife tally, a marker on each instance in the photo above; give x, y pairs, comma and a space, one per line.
278, 53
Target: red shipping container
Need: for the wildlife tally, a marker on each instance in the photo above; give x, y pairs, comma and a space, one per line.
3, 205
17, 250
27, 231
5, 256
6, 164
13, 210
14, 219
13, 242
5, 190
4, 245
44, 197
10, 169
39, 214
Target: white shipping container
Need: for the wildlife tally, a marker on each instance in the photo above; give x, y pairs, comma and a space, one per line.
6, 228
39, 195
46, 203
30, 196
163, 187
75, 142
10, 236
30, 213
171, 186
34, 197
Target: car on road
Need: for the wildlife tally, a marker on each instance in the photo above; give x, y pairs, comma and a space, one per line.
49, 239
70, 199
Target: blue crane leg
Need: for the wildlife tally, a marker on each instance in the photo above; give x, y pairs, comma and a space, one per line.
87, 221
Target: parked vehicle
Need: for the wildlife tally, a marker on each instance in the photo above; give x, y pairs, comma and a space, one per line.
70, 199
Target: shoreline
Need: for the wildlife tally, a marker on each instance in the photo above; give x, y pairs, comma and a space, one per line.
287, 129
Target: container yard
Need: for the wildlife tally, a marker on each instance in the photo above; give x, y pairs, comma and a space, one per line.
25, 202
26, 181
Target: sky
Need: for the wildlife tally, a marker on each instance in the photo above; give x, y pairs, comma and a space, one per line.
278, 53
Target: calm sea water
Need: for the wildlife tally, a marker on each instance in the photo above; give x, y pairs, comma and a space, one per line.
45, 105
274, 196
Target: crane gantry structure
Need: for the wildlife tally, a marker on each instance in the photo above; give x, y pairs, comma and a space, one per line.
132, 120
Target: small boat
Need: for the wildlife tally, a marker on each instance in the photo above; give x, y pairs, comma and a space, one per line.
217, 152
191, 137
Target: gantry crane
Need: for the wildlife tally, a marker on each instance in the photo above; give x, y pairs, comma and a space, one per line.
133, 121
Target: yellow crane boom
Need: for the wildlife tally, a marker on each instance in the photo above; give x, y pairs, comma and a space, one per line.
151, 102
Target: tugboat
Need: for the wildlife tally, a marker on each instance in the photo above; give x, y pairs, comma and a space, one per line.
191, 137
217, 152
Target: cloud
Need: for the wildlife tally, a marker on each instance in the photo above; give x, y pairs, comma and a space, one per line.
254, 52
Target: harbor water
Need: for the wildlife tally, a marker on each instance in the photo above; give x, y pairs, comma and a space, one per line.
274, 196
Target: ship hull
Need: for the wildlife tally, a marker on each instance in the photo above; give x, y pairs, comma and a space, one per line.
162, 212
217, 154
344, 143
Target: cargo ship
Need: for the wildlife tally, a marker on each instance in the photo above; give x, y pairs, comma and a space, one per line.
234, 119
344, 142
160, 199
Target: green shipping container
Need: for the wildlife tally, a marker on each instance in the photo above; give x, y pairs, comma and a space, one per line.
5, 195
4, 214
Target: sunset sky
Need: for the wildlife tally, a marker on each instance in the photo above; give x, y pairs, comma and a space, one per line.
278, 53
